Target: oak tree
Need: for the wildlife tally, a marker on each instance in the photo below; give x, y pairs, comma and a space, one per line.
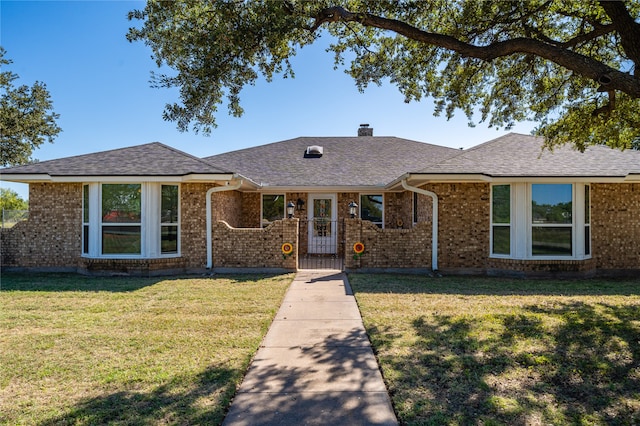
571, 66
26, 117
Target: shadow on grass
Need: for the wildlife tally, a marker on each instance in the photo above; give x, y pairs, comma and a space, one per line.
16, 281
570, 363
202, 401
490, 286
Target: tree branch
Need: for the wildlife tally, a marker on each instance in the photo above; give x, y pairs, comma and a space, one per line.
598, 31
627, 27
587, 67
608, 107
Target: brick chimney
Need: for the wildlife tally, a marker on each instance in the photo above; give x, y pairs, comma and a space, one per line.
365, 130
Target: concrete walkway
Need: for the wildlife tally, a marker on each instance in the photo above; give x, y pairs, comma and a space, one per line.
315, 365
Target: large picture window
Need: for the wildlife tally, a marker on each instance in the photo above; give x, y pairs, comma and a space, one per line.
551, 219
501, 219
371, 208
124, 220
540, 220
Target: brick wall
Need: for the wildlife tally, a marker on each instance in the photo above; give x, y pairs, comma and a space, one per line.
424, 208
615, 226
137, 267
51, 237
251, 204
387, 248
463, 233
398, 210
225, 205
193, 224
255, 247
463, 225
542, 268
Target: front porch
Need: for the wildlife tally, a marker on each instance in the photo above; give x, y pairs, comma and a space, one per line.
266, 248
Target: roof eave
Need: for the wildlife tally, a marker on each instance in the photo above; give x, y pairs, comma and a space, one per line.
322, 189
43, 177
25, 178
422, 178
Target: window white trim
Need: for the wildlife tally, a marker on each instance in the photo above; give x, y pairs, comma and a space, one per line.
510, 224
521, 223
150, 222
162, 224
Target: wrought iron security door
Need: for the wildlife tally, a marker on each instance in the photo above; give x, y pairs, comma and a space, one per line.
322, 224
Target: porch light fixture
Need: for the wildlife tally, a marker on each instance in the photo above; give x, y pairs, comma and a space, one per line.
290, 208
353, 208
299, 204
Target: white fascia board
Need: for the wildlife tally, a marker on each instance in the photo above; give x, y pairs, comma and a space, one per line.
207, 177
462, 178
85, 179
632, 177
457, 177
422, 178
558, 179
24, 178
224, 177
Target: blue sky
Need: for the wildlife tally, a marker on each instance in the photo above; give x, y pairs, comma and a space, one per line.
99, 84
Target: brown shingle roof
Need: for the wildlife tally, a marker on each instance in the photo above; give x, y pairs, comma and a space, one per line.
522, 156
346, 161
152, 159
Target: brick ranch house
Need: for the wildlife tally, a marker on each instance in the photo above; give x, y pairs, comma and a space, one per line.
503, 207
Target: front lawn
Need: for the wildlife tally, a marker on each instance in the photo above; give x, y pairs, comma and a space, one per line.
462, 350
87, 350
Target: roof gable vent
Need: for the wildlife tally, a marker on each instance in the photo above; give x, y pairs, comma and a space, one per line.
313, 151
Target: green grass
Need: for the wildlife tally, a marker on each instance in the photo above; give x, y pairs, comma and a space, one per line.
87, 350
463, 350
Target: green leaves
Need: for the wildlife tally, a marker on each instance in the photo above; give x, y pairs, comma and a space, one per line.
215, 49
11, 200
558, 63
26, 118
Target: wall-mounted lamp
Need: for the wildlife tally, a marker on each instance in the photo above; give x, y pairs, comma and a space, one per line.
353, 209
299, 204
290, 207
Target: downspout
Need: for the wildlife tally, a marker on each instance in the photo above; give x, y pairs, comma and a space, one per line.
434, 227
226, 187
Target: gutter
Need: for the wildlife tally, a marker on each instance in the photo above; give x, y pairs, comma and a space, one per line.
434, 227
226, 187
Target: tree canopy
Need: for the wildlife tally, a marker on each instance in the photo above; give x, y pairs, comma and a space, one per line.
11, 200
571, 66
26, 117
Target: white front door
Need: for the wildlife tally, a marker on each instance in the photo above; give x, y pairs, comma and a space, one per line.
322, 223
